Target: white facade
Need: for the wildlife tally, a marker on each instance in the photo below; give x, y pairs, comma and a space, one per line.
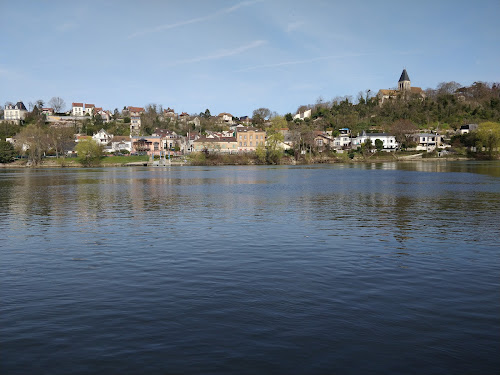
427, 141
388, 140
226, 118
102, 137
15, 112
303, 115
78, 109
341, 141
121, 146
464, 129
89, 109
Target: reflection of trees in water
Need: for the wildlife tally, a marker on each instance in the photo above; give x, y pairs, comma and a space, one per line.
489, 168
404, 214
7, 185
32, 196
351, 212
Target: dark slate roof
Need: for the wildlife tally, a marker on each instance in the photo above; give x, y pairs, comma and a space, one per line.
20, 105
404, 76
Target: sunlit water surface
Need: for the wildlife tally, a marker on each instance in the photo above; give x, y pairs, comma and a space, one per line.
341, 269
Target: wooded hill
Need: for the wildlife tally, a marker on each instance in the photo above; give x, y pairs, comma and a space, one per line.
445, 108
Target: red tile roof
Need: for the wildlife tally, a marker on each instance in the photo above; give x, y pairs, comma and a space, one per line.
77, 105
136, 109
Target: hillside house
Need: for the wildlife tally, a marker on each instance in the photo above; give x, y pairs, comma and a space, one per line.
427, 141
15, 112
389, 141
226, 145
249, 138
135, 119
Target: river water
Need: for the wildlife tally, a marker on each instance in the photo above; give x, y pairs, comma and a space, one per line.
340, 269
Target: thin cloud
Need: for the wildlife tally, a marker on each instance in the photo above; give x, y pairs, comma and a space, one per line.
298, 62
227, 10
66, 26
293, 26
221, 53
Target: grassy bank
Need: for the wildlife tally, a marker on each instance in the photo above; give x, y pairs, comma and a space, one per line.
124, 159
202, 159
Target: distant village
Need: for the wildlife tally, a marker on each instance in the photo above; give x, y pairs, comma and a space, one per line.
229, 134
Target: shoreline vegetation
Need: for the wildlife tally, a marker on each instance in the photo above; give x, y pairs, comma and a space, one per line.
455, 121
218, 159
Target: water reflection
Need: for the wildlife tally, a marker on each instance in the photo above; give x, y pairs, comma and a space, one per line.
386, 197
200, 264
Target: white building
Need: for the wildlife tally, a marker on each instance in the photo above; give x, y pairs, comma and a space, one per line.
120, 144
15, 112
427, 141
102, 137
78, 109
467, 128
226, 118
303, 115
89, 109
389, 141
82, 109
343, 140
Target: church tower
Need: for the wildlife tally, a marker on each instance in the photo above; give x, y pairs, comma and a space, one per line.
404, 83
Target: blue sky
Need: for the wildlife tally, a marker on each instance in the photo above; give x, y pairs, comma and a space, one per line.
236, 56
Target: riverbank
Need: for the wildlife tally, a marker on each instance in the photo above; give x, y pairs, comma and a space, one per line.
221, 160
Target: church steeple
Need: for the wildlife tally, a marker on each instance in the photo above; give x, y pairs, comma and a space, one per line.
404, 82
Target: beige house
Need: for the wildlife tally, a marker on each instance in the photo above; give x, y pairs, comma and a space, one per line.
322, 140
225, 118
135, 119
225, 145
169, 113
150, 145
249, 138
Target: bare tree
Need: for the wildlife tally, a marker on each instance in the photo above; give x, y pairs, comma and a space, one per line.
402, 131
35, 141
57, 103
260, 115
61, 139
449, 88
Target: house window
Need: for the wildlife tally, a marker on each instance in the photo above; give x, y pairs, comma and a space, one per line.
251, 143
240, 144
251, 136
